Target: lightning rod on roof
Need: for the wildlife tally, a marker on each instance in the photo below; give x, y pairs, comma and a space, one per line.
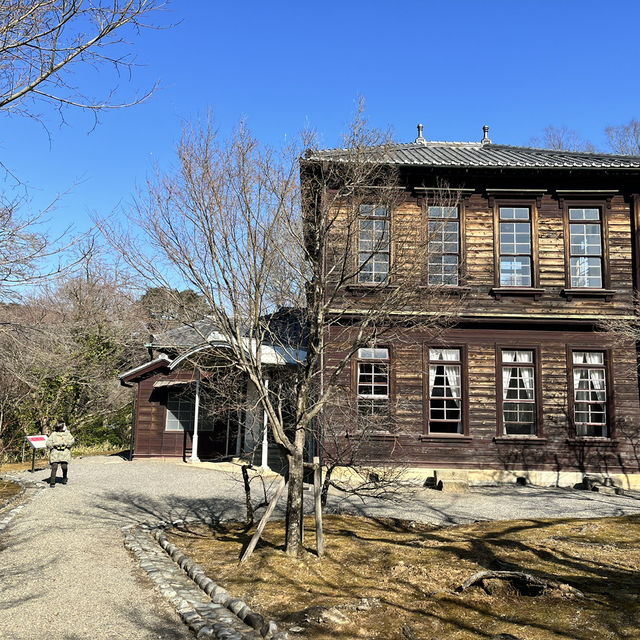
485, 139
420, 137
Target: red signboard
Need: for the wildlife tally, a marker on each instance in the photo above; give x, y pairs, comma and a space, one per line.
37, 442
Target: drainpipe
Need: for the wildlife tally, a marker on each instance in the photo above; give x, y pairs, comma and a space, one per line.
196, 411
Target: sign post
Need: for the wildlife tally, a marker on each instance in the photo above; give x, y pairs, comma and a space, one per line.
36, 442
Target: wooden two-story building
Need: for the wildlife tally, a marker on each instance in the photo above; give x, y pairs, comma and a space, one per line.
534, 255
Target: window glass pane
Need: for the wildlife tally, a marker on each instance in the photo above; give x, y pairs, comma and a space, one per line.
443, 212
584, 214
509, 355
443, 270
588, 357
586, 240
590, 394
373, 248
180, 409
586, 272
444, 354
373, 380
445, 403
373, 210
515, 271
514, 213
519, 418
373, 353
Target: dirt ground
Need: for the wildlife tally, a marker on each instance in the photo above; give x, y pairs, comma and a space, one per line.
397, 580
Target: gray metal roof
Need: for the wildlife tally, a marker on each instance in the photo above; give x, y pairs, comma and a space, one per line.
479, 154
185, 336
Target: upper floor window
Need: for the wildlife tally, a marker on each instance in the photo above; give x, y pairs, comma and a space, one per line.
445, 391
373, 384
585, 242
519, 411
589, 393
373, 244
516, 256
444, 245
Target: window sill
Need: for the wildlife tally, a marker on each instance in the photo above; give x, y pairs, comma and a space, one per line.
607, 294
443, 437
526, 440
498, 292
363, 287
592, 441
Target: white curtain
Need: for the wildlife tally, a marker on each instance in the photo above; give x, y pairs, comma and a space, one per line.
597, 379
527, 378
517, 356
432, 378
444, 354
453, 379
506, 380
588, 357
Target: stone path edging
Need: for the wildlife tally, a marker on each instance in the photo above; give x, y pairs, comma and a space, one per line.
4, 523
205, 607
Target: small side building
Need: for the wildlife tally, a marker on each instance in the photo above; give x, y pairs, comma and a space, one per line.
190, 404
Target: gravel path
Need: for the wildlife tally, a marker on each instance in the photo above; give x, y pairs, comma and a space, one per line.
65, 571
66, 574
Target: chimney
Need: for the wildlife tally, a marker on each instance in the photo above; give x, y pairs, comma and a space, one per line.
485, 139
420, 139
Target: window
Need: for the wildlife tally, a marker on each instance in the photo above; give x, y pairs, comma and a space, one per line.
445, 391
589, 393
519, 411
585, 242
373, 244
444, 245
516, 256
373, 385
181, 411
180, 407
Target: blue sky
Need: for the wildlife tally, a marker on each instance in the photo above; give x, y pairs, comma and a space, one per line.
454, 65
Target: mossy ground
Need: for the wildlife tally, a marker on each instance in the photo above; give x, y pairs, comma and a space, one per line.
413, 571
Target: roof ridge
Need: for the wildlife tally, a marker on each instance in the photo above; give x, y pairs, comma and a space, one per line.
565, 151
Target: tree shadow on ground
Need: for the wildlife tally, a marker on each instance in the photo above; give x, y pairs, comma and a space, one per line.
517, 547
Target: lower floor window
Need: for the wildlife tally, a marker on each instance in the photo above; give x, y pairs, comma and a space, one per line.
518, 393
373, 387
181, 412
445, 391
589, 394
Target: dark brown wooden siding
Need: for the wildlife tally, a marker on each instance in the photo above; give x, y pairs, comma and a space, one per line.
151, 438
478, 260
557, 448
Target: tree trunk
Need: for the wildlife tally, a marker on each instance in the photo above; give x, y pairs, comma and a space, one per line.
294, 504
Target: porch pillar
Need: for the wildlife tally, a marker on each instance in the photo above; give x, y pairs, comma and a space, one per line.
265, 434
196, 412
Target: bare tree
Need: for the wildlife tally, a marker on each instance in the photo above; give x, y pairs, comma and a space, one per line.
562, 138
62, 350
43, 42
273, 258
625, 138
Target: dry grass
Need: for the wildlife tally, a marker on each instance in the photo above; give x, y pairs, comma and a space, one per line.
8, 489
411, 572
